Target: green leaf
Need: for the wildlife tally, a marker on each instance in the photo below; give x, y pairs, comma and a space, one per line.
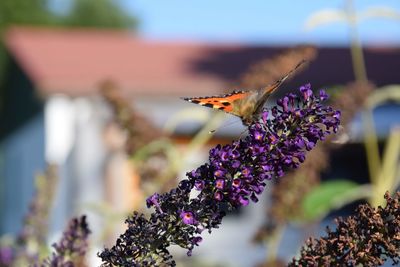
332, 195
382, 95
387, 178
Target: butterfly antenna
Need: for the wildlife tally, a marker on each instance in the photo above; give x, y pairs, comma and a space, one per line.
240, 137
273, 87
223, 126
303, 61
243, 132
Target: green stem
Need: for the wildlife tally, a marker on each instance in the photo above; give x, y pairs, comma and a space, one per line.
371, 145
360, 73
273, 244
390, 166
357, 55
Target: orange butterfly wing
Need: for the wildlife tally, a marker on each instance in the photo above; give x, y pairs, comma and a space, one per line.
222, 102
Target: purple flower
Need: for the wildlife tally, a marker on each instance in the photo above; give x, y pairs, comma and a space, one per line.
284, 103
199, 185
220, 183
337, 114
235, 163
264, 116
236, 183
323, 95
218, 195
72, 247
306, 91
234, 176
246, 172
196, 240
219, 173
152, 200
258, 136
6, 256
187, 217
243, 201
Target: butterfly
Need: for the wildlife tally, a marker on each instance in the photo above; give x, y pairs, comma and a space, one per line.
247, 105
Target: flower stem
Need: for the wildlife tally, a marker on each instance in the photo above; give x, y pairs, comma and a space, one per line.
357, 56
360, 73
273, 243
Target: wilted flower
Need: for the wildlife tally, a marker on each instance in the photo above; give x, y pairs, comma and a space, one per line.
235, 174
369, 238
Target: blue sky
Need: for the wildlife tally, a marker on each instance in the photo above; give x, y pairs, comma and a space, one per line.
254, 21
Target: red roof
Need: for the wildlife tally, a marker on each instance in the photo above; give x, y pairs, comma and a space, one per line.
74, 62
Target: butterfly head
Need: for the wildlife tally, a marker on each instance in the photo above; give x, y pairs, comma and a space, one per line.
248, 119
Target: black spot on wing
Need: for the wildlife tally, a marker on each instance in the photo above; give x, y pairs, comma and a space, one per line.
191, 100
235, 93
214, 96
209, 105
226, 104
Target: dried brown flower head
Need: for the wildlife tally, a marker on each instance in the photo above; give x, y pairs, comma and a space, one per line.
369, 238
271, 69
140, 131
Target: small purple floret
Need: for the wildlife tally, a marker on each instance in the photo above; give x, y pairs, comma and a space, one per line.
218, 195
323, 95
199, 185
187, 217
220, 183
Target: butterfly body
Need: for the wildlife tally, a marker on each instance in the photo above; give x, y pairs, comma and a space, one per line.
247, 105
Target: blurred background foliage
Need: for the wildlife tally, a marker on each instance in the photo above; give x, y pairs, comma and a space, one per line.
83, 13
